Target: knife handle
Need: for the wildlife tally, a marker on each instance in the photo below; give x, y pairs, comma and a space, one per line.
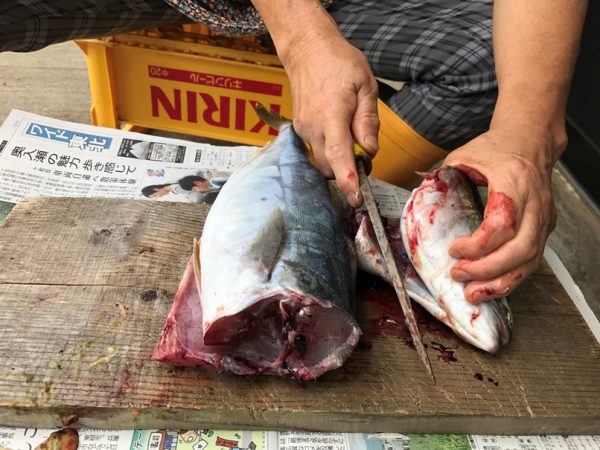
361, 155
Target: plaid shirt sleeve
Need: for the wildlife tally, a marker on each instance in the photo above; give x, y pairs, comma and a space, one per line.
27, 25
227, 17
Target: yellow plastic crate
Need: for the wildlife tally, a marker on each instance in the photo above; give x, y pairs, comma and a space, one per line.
188, 80
185, 81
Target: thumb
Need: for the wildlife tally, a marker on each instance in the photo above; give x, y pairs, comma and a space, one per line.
365, 123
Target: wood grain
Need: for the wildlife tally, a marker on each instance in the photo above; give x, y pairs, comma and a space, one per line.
86, 285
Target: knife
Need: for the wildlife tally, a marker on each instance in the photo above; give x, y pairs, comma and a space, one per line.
362, 160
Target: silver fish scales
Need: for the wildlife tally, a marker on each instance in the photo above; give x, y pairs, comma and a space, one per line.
444, 207
272, 285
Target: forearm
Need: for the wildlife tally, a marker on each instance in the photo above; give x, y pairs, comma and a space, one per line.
334, 92
535, 48
294, 23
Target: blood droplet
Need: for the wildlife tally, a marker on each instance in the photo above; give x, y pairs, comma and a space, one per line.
474, 315
502, 206
446, 353
516, 277
441, 186
482, 293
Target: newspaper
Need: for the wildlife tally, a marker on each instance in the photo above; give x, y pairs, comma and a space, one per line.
44, 156
208, 439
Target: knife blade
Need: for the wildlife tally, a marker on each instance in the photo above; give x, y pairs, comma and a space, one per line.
390, 262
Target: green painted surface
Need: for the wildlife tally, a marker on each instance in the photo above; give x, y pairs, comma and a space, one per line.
438, 442
5, 208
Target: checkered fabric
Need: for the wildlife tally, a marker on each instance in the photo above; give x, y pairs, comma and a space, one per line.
442, 49
27, 25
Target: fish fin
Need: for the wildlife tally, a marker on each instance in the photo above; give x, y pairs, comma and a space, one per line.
416, 289
196, 264
277, 121
425, 175
503, 307
368, 251
271, 118
267, 245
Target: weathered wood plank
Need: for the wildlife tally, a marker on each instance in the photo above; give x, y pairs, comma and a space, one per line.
86, 285
98, 242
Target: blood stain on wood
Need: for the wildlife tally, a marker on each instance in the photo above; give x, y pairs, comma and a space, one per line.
447, 354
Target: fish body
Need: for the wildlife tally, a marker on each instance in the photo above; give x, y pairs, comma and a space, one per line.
445, 206
274, 274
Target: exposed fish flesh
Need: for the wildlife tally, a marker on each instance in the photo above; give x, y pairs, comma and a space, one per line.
445, 206
486, 326
271, 286
370, 259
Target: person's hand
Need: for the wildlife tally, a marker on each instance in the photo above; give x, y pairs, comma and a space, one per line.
161, 191
508, 246
334, 95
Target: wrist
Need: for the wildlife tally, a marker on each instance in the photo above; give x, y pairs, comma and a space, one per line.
312, 41
296, 27
541, 125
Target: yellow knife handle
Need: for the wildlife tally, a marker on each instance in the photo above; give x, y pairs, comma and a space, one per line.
362, 155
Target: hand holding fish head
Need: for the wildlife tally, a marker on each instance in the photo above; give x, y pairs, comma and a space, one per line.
515, 164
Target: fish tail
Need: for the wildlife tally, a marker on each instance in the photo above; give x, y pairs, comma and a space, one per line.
270, 117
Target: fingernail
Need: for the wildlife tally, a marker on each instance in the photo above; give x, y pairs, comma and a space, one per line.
372, 142
453, 252
355, 199
460, 275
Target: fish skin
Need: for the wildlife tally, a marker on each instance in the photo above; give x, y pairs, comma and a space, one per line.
277, 274
444, 207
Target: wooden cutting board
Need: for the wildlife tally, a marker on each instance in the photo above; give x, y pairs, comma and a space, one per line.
85, 287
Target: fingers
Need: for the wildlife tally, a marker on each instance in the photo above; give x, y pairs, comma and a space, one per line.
500, 223
339, 156
332, 110
508, 245
480, 291
333, 106
365, 122
524, 247
333, 154
314, 137
504, 269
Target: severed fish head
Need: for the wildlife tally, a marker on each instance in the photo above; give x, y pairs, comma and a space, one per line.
445, 206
